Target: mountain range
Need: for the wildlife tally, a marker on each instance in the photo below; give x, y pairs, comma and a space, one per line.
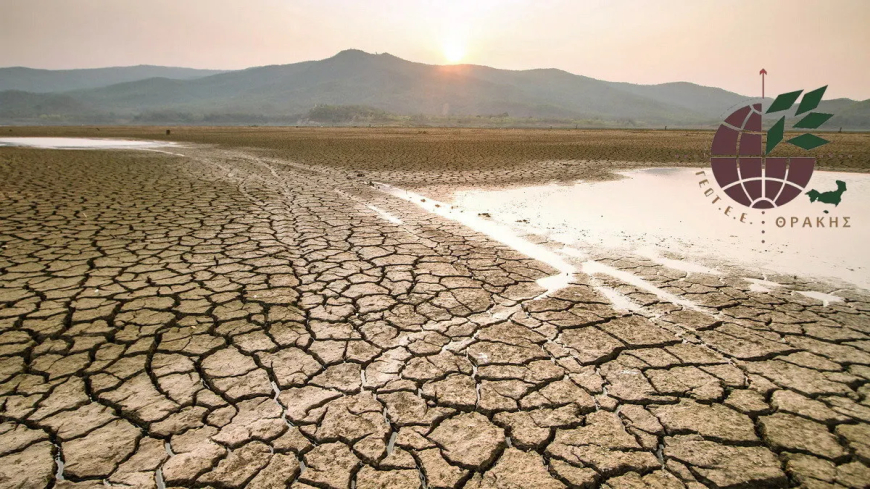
356, 87
48, 81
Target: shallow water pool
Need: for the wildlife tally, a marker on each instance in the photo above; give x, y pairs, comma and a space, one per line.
655, 212
82, 143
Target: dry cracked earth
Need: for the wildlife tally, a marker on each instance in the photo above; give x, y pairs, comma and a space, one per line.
225, 321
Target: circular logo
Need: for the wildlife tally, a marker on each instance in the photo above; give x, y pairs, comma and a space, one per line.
745, 174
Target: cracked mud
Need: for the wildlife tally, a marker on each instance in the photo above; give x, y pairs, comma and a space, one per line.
224, 320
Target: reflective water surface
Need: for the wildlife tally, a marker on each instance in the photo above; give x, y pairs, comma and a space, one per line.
82, 143
664, 215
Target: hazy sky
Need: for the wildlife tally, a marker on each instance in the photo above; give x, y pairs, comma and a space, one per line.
802, 44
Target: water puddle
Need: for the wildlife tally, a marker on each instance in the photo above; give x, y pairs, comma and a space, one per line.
277, 391
572, 252
59, 463
162, 152
168, 448
758, 285
619, 301
758, 288
495, 230
592, 268
385, 215
392, 442
681, 265
84, 143
664, 213
825, 299
158, 479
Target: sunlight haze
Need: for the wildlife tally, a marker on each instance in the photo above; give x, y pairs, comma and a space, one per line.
802, 44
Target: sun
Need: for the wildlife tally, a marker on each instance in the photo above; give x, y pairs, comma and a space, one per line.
454, 51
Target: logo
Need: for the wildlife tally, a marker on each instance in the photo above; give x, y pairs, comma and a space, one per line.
740, 158
748, 175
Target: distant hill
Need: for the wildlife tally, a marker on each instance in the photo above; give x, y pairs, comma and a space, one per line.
852, 115
711, 101
15, 104
381, 88
48, 81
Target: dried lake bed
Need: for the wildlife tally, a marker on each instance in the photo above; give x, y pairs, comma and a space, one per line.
225, 316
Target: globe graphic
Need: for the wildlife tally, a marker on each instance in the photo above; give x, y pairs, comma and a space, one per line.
745, 174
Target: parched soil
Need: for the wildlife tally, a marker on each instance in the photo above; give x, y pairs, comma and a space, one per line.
245, 316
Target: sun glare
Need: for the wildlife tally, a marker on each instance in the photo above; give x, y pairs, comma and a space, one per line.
454, 51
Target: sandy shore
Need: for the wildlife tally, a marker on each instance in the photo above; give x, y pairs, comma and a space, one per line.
232, 317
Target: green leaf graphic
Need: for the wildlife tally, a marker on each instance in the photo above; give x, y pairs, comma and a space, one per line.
775, 133
811, 100
784, 101
808, 141
813, 120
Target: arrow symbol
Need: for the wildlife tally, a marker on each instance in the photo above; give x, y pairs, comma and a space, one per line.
762, 73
